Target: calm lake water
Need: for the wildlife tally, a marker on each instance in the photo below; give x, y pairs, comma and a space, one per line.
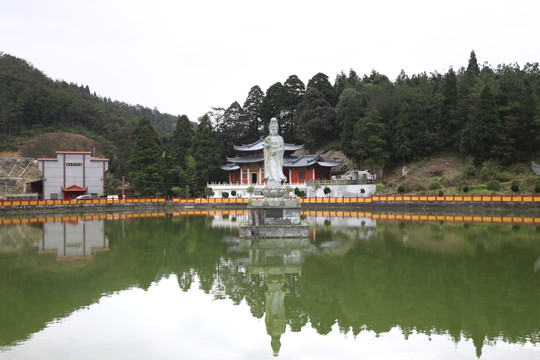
173, 286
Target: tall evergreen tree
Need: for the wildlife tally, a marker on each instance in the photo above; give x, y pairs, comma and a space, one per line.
449, 133
484, 132
180, 141
294, 93
315, 119
177, 150
473, 64
207, 155
517, 105
253, 114
146, 163
232, 130
349, 111
409, 131
320, 82
340, 84
274, 103
369, 141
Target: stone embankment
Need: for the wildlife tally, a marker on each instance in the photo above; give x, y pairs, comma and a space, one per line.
377, 201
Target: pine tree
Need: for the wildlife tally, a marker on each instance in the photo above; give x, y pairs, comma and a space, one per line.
180, 141
232, 130
485, 131
177, 150
349, 111
294, 93
450, 127
207, 155
273, 103
315, 119
252, 113
147, 166
408, 132
321, 83
473, 64
369, 142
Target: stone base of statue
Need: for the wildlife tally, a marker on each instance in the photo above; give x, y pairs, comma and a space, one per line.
274, 217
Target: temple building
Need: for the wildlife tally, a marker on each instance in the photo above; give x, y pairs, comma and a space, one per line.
247, 168
72, 173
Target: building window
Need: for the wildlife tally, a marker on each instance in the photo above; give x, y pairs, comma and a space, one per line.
301, 175
54, 196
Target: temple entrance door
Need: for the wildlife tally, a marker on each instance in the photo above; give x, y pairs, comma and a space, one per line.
254, 178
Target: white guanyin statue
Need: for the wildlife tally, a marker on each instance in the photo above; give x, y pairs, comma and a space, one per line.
274, 148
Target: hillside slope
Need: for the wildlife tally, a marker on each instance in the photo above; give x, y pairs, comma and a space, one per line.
450, 174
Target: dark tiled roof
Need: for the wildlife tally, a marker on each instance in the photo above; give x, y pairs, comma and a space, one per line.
259, 144
288, 161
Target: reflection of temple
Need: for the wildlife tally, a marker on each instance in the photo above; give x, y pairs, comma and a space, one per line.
77, 239
274, 260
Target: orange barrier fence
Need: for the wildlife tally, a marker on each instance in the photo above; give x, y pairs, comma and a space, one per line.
233, 200
313, 200
348, 214
423, 198
81, 202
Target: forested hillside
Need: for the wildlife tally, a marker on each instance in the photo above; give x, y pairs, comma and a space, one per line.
478, 111
483, 113
31, 104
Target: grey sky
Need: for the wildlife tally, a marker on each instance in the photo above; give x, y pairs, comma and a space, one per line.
185, 57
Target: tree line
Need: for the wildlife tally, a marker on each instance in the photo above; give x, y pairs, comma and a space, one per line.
478, 111
482, 112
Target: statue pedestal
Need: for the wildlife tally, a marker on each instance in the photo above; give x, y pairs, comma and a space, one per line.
274, 217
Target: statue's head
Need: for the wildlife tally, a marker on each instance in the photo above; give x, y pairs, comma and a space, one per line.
273, 126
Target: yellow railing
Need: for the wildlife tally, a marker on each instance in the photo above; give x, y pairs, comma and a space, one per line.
51, 202
311, 200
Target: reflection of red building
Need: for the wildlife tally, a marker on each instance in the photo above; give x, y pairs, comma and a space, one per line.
248, 167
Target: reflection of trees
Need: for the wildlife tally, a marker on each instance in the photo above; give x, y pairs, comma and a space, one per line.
382, 284
465, 281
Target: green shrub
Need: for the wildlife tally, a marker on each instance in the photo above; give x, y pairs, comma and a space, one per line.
401, 189
493, 185
465, 189
233, 192
492, 170
362, 190
515, 187
537, 188
441, 193
435, 185
299, 192
469, 171
225, 195
379, 187
327, 190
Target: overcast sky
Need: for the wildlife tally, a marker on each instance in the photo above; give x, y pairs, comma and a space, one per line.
185, 57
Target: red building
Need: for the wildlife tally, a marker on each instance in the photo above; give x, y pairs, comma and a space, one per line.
248, 167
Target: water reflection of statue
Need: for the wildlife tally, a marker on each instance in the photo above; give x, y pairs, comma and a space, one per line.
275, 319
274, 147
276, 261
